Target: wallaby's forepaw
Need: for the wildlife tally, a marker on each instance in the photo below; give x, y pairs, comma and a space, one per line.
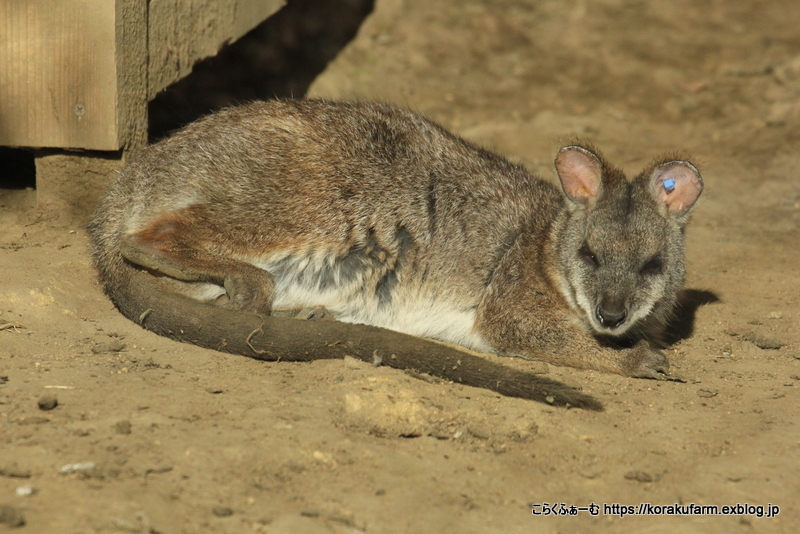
306, 314
315, 314
643, 361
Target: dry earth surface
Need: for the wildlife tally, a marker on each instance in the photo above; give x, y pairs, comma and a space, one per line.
150, 435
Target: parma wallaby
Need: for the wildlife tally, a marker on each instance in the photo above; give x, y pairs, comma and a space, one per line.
384, 218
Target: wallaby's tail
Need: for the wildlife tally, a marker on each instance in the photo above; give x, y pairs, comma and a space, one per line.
141, 298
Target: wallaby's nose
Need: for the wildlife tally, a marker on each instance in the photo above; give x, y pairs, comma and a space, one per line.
611, 315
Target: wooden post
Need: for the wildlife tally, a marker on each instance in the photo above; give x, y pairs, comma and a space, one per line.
76, 75
73, 73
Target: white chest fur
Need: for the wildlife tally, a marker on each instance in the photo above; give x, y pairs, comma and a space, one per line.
363, 292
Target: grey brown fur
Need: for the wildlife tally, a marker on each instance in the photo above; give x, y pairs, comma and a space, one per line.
385, 218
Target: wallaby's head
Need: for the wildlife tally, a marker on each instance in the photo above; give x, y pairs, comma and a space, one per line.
621, 244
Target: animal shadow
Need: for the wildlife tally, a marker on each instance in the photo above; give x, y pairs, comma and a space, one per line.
681, 326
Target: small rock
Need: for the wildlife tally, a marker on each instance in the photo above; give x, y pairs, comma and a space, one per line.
14, 471
780, 113
123, 427
222, 511
787, 71
25, 491
158, 470
538, 368
11, 516
524, 432
479, 430
113, 346
47, 402
707, 393
353, 363
310, 513
124, 525
639, 476
763, 342
33, 421
82, 467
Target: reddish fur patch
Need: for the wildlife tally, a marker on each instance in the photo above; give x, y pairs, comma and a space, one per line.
195, 228
171, 229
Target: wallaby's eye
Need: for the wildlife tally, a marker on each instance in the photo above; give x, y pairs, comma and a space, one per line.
653, 266
588, 257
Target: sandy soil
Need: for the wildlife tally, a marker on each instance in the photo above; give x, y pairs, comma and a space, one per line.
182, 439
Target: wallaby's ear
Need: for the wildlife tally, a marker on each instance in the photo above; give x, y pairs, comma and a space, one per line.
580, 172
677, 185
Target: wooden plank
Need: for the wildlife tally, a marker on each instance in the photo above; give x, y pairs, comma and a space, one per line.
131, 74
57, 73
182, 33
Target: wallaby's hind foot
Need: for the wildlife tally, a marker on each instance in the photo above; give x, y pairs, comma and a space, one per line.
247, 288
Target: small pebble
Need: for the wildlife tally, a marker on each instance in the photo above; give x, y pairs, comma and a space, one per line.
113, 346
479, 430
47, 402
639, 476
14, 471
707, 393
763, 342
124, 525
123, 427
11, 516
25, 491
353, 363
309, 513
77, 468
222, 511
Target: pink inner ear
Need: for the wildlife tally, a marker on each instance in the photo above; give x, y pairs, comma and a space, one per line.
579, 171
684, 190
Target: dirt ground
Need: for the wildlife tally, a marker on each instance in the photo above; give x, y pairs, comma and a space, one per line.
150, 435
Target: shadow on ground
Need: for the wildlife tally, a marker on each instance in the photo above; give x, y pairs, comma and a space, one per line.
280, 58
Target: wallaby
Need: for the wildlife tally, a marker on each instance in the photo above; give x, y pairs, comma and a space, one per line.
384, 218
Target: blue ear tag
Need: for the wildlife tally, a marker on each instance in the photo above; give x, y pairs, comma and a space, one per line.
669, 184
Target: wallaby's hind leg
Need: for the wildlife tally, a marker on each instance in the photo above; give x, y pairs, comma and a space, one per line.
165, 248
